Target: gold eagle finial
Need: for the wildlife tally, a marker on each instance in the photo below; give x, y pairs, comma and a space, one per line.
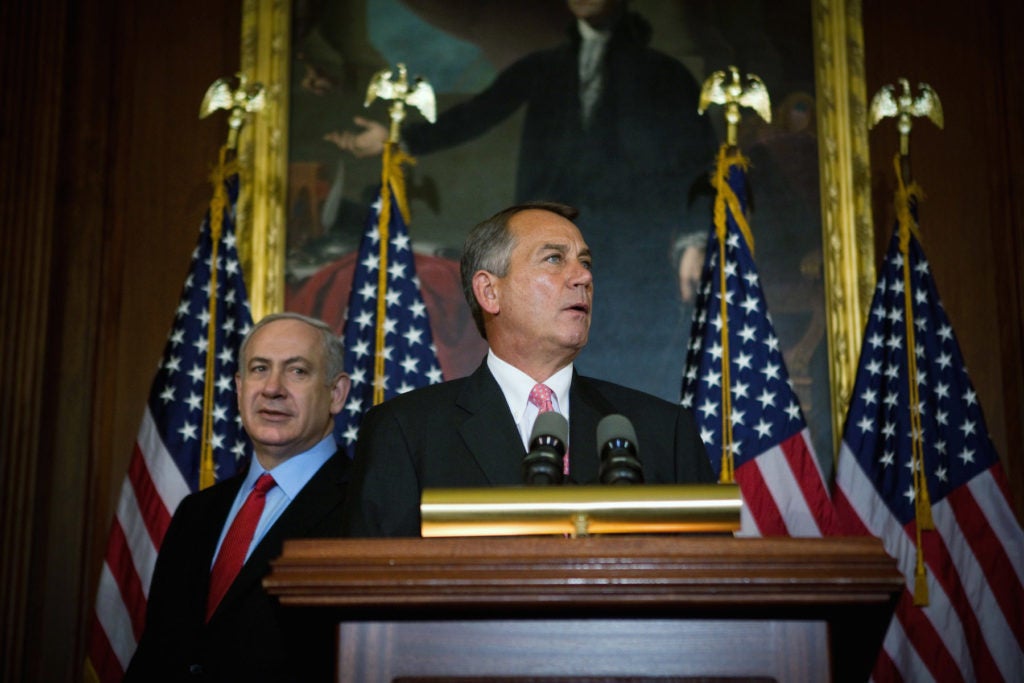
239, 101
727, 89
386, 86
905, 106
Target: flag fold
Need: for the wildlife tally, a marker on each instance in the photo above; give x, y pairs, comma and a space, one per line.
736, 384
389, 348
918, 470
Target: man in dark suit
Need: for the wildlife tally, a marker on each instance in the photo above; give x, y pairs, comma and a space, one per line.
204, 621
526, 273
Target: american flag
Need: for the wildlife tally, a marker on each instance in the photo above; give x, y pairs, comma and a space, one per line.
389, 349
736, 384
951, 527
193, 392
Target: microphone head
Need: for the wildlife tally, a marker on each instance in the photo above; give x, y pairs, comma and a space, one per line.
551, 424
619, 452
542, 465
618, 427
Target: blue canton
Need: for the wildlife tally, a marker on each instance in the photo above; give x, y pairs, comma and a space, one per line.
765, 410
176, 396
956, 445
410, 357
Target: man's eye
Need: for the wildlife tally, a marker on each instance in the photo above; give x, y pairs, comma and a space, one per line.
587, 264
554, 258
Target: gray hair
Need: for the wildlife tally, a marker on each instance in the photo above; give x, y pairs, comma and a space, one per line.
489, 247
334, 351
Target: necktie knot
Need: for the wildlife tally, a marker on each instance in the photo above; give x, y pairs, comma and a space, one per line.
264, 484
540, 396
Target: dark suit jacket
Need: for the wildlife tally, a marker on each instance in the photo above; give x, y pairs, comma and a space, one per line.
250, 637
461, 434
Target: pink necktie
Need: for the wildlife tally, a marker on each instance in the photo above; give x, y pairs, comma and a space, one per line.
236, 543
540, 396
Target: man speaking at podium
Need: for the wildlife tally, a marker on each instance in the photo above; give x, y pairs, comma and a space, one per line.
527, 275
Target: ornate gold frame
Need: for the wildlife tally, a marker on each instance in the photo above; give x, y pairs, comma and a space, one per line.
847, 232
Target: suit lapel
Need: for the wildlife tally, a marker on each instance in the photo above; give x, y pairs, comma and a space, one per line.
216, 514
489, 432
493, 440
586, 408
323, 494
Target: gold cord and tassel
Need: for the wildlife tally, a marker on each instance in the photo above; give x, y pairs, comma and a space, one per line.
392, 180
922, 502
725, 198
219, 202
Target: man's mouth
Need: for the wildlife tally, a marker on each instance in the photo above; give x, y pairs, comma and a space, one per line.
580, 307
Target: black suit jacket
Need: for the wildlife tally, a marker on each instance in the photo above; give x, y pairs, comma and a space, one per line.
461, 434
249, 637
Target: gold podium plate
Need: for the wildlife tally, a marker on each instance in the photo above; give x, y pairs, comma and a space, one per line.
581, 510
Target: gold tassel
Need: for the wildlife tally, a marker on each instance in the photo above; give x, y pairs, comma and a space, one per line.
920, 588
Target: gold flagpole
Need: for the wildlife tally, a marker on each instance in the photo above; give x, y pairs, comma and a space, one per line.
904, 107
388, 85
727, 90
240, 102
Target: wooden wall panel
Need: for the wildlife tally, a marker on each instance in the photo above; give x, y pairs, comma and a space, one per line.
158, 192
102, 188
31, 56
971, 218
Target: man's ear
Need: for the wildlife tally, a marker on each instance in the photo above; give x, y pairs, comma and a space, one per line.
339, 392
485, 289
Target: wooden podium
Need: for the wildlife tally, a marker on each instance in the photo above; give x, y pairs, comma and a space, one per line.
606, 608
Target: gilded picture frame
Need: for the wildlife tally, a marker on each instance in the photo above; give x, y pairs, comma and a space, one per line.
843, 171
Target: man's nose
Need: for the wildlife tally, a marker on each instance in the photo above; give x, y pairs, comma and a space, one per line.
580, 274
273, 385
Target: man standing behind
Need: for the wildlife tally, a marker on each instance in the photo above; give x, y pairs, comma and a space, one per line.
526, 273
208, 617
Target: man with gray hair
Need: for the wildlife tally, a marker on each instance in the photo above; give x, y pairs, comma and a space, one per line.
208, 616
526, 273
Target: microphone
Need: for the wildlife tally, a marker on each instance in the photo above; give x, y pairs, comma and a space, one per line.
618, 451
542, 466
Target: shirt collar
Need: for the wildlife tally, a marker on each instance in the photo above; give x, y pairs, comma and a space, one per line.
589, 33
516, 385
295, 472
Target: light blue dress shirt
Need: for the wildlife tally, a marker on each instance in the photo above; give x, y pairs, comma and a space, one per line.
291, 476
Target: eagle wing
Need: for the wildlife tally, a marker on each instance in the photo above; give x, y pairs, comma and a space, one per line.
422, 97
755, 96
380, 86
883, 105
218, 96
927, 104
713, 91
